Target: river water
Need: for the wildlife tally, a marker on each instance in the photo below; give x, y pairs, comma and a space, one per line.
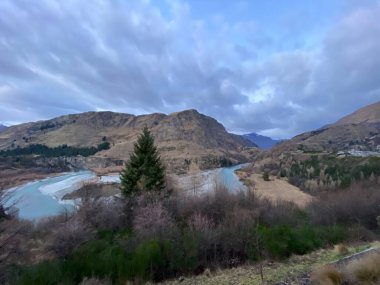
43, 198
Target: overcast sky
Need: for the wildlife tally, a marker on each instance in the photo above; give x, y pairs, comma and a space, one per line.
273, 67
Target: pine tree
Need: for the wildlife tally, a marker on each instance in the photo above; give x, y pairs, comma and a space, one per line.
144, 170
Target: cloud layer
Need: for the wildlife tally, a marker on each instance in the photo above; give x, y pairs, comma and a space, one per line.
59, 57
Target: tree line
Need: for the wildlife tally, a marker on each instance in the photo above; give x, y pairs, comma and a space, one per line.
62, 150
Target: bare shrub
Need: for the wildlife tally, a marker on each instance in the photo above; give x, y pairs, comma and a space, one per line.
202, 230
280, 213
153, 221
216, 206
14, 234
200, 223
69, 236
356, 205
236, 235
15, 237
103, 213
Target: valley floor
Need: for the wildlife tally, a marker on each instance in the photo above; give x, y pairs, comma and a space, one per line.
275, 190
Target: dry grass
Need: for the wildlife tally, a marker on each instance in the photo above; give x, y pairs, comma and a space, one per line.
111, 170
275, 189
365, 270
327, 275
274, 272
91, 189
341, 249
16, 177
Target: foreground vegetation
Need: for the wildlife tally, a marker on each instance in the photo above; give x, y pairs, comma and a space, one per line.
364, 270
293, 270
154, 233
156, 237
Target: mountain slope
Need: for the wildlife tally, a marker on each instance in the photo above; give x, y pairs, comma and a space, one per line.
261, 141
180, 137
359, 130
2, 127
366, 115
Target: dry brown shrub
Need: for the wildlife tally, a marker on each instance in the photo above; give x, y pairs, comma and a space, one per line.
355, 205
200, 223
326, 275
365, 270
341, 249
102, 213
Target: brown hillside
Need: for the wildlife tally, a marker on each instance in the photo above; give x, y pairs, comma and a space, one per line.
369, 114
180, 137
360, 131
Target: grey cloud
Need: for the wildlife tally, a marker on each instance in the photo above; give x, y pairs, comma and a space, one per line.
314, 89
72, 56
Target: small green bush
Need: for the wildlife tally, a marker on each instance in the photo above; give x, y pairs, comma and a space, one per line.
46, 272
284, 240
266, 176
101, 259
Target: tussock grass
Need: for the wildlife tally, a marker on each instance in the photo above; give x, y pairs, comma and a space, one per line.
341, 249
365, 270
327, 275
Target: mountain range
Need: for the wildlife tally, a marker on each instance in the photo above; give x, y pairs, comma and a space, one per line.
2, 127
262, 142
188, 137
182, 138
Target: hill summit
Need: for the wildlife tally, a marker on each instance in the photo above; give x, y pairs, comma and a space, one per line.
367, 115
357, 131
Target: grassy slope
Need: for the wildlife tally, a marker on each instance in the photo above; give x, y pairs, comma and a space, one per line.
291, 270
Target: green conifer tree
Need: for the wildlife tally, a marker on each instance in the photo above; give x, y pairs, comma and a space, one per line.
144, 170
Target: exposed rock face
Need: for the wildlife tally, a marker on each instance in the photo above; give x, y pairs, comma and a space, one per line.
360, 130
180, 137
